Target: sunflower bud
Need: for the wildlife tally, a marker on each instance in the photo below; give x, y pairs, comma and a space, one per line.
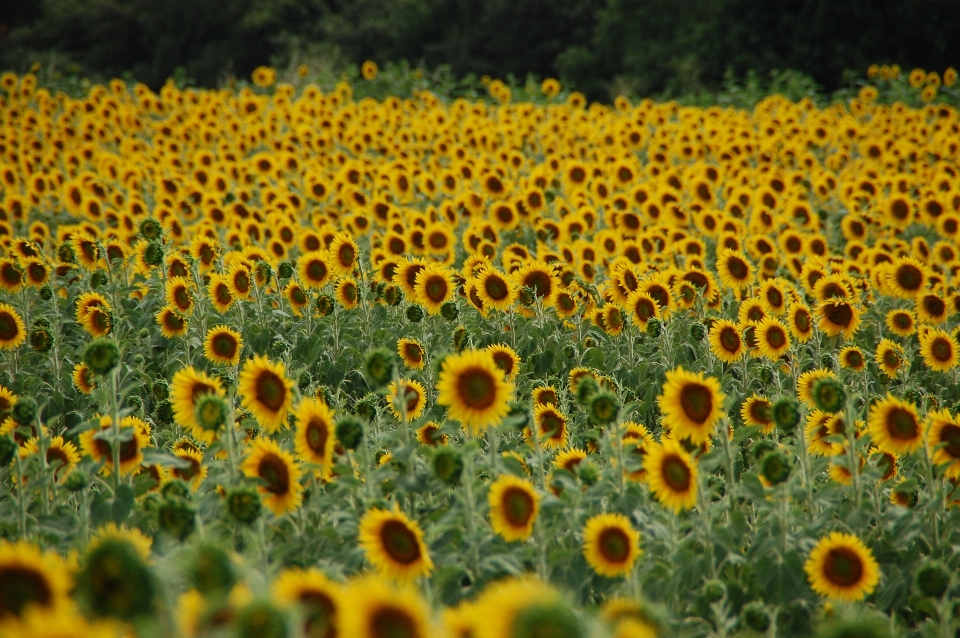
858, 626
211, 571
755, 616
379, 367
115, 582
932, 580
588, 473
761, 448
714, 591
304, 381
654, 327
586, 388
392, 295
175, 489
150, 229
99, 279
826, 361
603, 408
324, 305
794, 619
65, 254
450, 311
102, 355
323, 393
153, 254
697, 331
460, 338
24, 411
41, 322
775, 467
211, 412
766, 375
138, 360
589, 342
7, 449
164, 412
76, 481
547, 619
134, 402
526, 296
569, 350
414, 314
261, 619
828, 394
176, 517
448, 466
786, 413
349, 432
284, 270
46, 293
244, 505
366, 408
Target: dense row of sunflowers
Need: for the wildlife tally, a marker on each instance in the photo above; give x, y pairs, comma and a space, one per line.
276, 362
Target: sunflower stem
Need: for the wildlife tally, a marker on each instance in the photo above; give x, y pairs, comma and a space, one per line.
115, 427
21, 497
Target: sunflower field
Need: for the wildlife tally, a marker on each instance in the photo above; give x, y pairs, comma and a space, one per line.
278, 362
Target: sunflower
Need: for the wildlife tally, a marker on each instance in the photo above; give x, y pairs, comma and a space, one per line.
672, 475
817, 429
222, 345
31, 579
171, 321
540, 278
758, 410
315, 436
691, 405
38, 621
434, 286
495, 289
901, 322
838, 317
513, 507
840, 567
406, 273
734, 269
83, 378
219, 292
344, 255
178, 295
280, 477
11, 276
939, 350
943, 441
889, 357
266, 392
296, 297
751, 311
895, 426
429, 434
725, 341
551, 427
12, 330
195, 471
907, 277
131, 449
801, 323
636, 442
642, 307
394, 544
772, 338
7, 400
186, 388
347, 293
61, 455
319, 599
239, 281
545, 394
473, 388
506, 359
885, 462
610, 544
413, 396
411, 353
852, 358
313, 269
373, 608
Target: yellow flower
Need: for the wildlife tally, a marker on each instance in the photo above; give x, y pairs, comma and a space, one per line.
610, 544
394, 544
691, 405
281, 490
474, 390
266, 392
895, 426
841, 567
222, 345
514, 504
672, 475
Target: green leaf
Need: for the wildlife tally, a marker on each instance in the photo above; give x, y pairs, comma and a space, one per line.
153, 456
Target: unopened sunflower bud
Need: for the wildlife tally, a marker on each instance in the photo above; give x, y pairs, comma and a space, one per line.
102, 355
448, 466
8, 448
284, 270
932, 579
160, 389
24, 411
526, 296
262, 619
211, 412
115, 582
450, 311
366, 408
99, 279
586, 388
304, 381
775, 467
243, 504
415, 314
603, 408
349, 432
654, 327
392, 296
76, 481
210, 570
153, 254
134, 402
46, 293
828, 394
460, 338
40, 340
698, 331
714, 591
379, 367
786, 413
150, 229
588, 472
324, 305
176, 517
755, 616
65, 254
